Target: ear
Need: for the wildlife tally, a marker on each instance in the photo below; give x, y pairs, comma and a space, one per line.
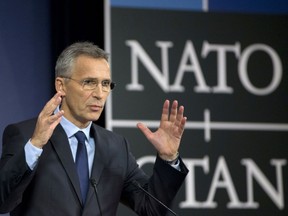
59, 85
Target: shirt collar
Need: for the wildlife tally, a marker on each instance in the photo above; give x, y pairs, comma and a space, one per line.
71, 129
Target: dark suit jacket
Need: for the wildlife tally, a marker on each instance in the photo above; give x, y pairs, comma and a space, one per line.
52, 188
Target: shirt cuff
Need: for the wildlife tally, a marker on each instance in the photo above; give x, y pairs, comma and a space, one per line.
176, 165
32, 154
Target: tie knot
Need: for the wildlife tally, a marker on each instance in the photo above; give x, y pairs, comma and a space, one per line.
80, 136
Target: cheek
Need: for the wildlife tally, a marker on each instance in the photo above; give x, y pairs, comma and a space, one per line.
77, 99
84, 96
81, 95
82, 100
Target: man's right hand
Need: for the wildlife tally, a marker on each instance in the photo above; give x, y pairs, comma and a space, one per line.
47, 121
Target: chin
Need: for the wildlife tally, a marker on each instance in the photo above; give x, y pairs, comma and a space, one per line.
94, 118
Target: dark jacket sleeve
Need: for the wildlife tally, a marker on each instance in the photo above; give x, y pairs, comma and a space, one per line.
15, 174
163, 184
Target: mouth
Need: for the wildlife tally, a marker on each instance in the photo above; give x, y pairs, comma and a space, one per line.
96, 107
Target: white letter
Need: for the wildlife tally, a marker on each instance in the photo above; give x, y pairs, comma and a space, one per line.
190, 188
254, 172
221, 50
222, 171
137, 52
243, 73
189, 54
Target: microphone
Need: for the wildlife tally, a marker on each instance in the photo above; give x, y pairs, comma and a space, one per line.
94, 185
136, 183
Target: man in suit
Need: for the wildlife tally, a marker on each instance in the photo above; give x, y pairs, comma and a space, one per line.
43, 170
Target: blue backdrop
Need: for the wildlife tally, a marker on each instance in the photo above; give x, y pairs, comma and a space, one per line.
25, 66
26, 70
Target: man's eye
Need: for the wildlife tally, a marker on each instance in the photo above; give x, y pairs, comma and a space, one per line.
105, 83
89, 82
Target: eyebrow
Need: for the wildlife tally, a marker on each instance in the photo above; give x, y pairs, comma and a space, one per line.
93, 78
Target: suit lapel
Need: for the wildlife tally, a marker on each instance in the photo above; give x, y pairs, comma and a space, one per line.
61, 145
99, 157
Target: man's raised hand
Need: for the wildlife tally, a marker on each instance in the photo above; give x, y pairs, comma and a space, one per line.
47, 121
166, 139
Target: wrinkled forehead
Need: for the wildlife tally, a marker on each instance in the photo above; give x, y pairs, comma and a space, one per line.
86, 66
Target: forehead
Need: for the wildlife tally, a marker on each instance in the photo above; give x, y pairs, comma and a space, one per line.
86, 66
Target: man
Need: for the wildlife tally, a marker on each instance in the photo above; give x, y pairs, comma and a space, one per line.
45, 170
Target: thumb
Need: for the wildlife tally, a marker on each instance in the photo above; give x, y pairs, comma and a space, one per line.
144, 129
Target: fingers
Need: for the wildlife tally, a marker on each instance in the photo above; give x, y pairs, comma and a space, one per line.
48, 110
165, 111
52, 104
181, 125
166, 139
176, 115
173, 112
47, 121
56, 117
145, 130
179, 116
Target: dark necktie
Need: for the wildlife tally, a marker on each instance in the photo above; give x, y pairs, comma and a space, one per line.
82, 164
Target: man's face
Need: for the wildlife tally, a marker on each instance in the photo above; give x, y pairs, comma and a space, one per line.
82, 106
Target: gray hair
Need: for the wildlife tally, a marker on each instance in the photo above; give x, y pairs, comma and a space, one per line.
66, 59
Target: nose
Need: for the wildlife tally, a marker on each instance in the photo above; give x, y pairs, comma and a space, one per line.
98, 92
